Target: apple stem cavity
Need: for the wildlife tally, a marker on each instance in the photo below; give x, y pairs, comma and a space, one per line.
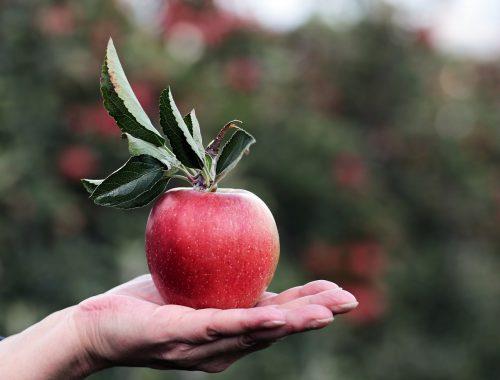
155, 158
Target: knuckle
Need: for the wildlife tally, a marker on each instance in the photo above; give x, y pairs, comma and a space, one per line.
211, 333
180, 354
246, 341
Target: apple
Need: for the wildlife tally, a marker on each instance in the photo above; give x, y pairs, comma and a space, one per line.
206, 247
211, 249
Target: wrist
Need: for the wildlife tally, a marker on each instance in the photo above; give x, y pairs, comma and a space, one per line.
82, 359
52, 348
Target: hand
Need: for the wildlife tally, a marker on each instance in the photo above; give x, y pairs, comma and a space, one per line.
130, 325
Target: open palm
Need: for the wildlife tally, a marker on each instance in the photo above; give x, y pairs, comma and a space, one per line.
131, 325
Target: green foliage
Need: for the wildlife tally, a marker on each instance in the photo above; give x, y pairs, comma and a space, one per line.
194, 128
138, 147
140, 180
121, 102
91, 184
232, 151
183, 144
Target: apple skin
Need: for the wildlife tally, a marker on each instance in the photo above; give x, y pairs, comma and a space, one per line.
211, 249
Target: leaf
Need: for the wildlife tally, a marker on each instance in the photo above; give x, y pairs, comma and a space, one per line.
182, 143
135, 184
194, 128
146, 197
121, 102
136, 147
213, 148
209, 165
232, 151
91, 184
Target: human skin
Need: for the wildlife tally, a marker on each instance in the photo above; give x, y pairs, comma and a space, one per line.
131, 326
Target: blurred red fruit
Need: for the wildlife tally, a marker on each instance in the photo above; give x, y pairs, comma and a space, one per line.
242, 74
366, 259
145, 93
372, 303
322, 259
214, 24
349, 171
76, 162
57, 20
93, 119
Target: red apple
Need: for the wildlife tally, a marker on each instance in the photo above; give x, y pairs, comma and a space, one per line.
211, 249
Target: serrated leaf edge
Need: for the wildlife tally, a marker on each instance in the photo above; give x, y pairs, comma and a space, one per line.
183, 127
131, 103
233, 164
114, 172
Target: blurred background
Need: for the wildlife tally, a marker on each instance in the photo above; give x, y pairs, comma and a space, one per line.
378, 152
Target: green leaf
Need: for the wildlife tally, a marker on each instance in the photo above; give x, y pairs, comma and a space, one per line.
194, 128
137, 147
135, 184
183, 144
213, 148
146, 197
121, 102
232, 151
91, 184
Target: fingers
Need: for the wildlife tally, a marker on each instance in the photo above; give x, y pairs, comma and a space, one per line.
301, 319
207, 325
216, 338
337, 300
310, 317
310, 312
298, 320
297, 292
228, 349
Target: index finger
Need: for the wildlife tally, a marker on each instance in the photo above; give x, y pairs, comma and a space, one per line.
206, 325
291, 294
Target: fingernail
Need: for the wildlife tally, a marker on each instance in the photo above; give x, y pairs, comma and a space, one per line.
319, 323
345, 307
346, 299
274, 323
